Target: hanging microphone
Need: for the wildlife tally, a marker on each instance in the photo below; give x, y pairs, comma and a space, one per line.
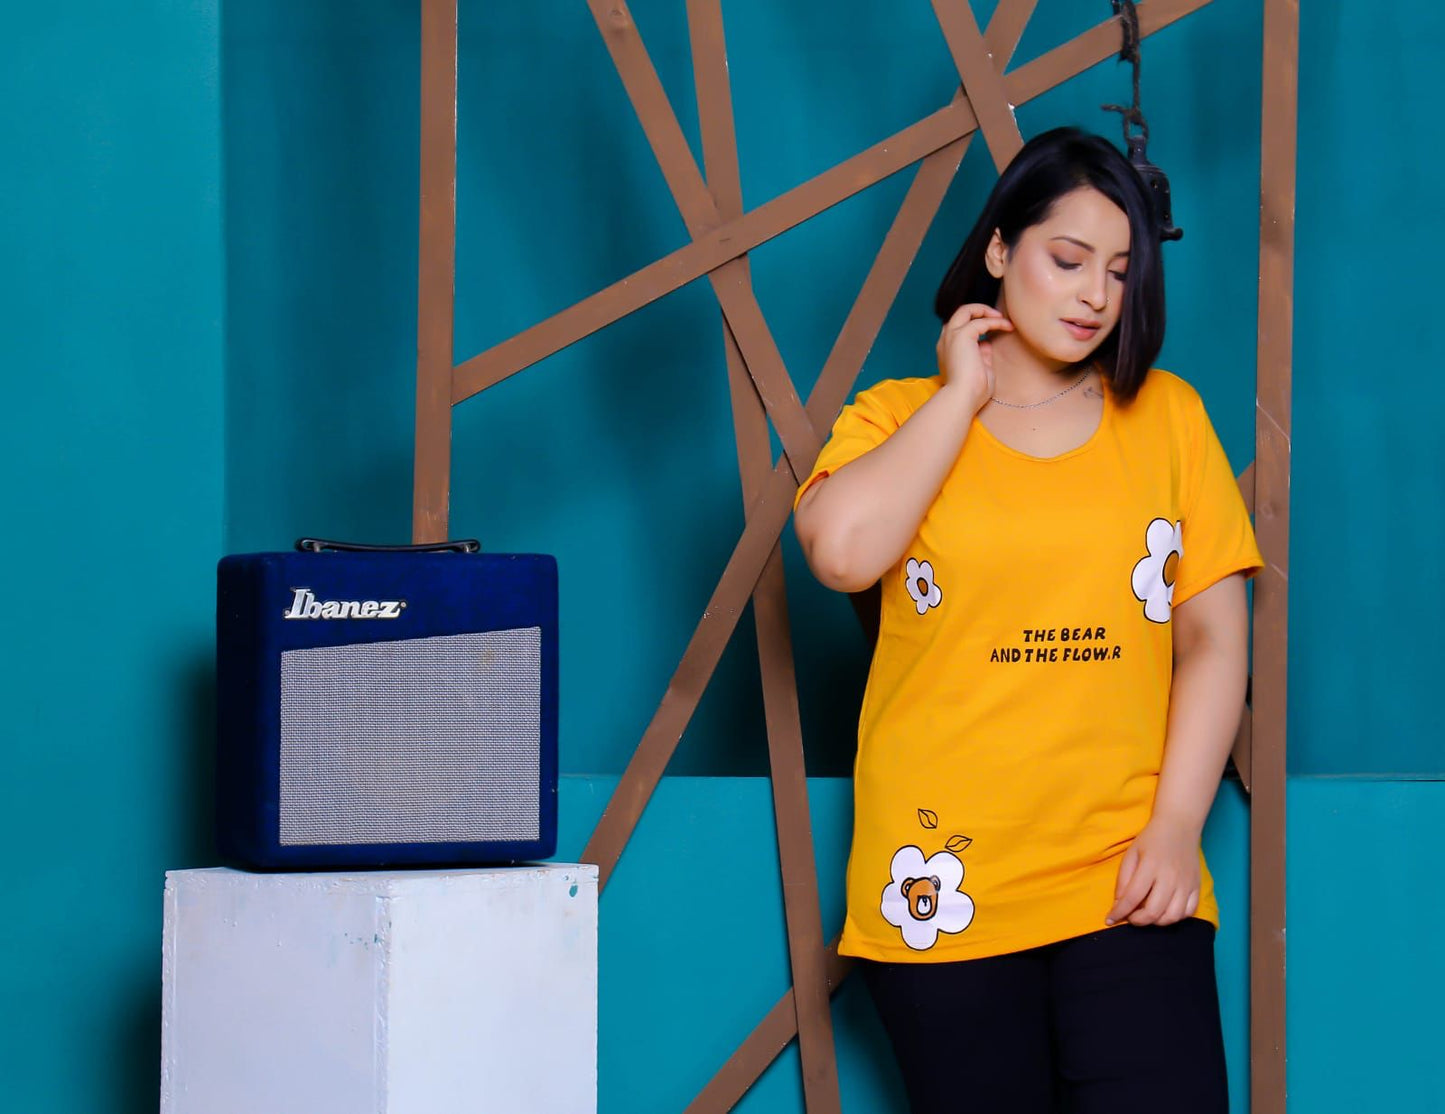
1157, 183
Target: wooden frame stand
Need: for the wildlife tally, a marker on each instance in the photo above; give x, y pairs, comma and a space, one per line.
722, 233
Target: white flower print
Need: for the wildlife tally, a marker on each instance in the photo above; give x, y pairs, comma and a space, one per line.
1153, 579
918, 576
924, 899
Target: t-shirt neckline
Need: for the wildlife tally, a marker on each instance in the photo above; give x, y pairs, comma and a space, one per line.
1105, 417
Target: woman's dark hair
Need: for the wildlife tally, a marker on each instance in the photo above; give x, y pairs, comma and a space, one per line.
1048, 167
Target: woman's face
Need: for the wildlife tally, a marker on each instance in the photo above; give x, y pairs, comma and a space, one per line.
1063, 281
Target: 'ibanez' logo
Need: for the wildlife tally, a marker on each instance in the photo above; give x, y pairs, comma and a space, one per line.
304, 605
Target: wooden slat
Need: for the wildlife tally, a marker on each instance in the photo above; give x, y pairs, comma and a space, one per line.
1278, 137
1093, 46
802, 913
914, 217
763, 1045
981, 81
699, 212
431, 470
931, 134
1005, 29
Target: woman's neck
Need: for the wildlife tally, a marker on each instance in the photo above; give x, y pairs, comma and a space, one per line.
1022, 374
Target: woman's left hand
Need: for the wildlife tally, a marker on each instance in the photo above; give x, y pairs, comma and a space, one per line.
1159, 876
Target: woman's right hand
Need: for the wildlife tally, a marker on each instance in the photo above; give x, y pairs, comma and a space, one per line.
964, 359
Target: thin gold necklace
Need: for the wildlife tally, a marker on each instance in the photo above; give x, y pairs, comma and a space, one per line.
1034, 405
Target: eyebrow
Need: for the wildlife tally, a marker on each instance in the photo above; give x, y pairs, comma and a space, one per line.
1090, 247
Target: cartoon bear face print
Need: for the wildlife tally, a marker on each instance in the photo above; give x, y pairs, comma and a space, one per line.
922, 895
922, 898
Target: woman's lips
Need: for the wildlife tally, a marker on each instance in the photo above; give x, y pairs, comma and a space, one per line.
1081, 332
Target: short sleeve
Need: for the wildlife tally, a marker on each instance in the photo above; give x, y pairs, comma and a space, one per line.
1218, 538
863, 425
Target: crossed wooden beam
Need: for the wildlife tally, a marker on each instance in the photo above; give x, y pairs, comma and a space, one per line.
722, 233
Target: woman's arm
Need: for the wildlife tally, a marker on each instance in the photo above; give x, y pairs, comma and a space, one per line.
1159, 876
854, 524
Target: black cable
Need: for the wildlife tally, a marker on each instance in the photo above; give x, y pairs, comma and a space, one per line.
1154, 179
1129, 52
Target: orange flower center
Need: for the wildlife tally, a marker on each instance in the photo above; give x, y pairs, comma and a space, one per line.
1171, 566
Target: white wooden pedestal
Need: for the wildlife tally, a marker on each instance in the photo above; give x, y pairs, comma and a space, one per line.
409, 992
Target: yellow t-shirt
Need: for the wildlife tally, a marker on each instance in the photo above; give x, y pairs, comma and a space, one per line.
1013, 725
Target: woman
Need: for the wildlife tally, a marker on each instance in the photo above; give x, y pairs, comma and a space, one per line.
1060, 667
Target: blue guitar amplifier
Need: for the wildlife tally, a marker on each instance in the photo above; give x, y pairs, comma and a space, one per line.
386, 706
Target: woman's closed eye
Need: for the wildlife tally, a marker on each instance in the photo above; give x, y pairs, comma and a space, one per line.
1068, 265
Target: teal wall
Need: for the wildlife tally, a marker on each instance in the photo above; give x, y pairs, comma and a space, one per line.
110, 343
1369, 462
207, 316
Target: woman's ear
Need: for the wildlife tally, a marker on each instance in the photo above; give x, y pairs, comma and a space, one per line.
995, 255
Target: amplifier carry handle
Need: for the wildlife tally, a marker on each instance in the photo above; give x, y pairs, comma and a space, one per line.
319, 545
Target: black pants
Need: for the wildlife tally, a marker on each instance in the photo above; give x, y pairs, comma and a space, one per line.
1122, 1021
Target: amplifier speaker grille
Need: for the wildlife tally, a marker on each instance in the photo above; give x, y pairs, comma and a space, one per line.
422, 740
